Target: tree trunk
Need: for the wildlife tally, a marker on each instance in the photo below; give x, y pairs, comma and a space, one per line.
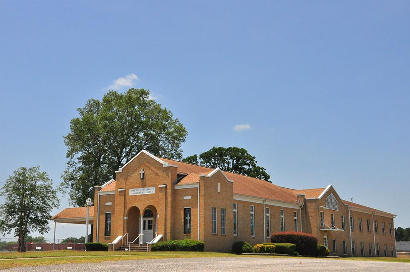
21, 242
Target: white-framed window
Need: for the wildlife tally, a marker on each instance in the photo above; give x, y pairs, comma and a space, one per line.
332, 220
331, 202
107, 226
344, 247
376, 226
370, 249
322, 220
219, 187
377, 249
353, 248
325, 242
214, 221
187, 220
295, 220
390, 228
385, 250
343, 222
360, 225
368, 225
282, 220
333, 245
383, 228
267, 222
351, 223
223, 220
252, 220
361, 249
235, 219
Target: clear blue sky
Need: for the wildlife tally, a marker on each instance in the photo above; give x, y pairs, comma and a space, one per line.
322, 86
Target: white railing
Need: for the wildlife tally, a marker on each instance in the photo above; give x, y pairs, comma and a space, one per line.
116, 240
129, 243
156, 239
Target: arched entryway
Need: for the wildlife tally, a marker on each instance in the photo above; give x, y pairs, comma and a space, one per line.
133, 223
149, 223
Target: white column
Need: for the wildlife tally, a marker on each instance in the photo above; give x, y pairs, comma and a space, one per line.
86, 225
141, 230
55, 226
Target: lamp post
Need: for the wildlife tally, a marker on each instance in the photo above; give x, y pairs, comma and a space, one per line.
88, 203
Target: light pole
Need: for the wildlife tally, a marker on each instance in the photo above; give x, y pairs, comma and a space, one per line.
88, 203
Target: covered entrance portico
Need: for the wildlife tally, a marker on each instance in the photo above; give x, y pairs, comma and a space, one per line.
142, 229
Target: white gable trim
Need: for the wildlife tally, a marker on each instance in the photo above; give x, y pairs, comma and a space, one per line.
363, 210
107, 183
214, 172
106, 193
164, 164
326, 190
259, 200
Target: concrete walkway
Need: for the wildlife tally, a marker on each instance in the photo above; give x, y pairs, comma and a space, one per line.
228, 264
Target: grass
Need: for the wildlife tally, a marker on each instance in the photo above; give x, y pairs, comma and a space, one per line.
15, 259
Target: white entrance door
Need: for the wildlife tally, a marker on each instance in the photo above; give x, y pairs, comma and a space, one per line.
148, 229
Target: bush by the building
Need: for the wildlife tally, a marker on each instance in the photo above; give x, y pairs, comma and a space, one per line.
240, 247
264, 248
285, 248
322, 251
96, 247
306, 243
179, 245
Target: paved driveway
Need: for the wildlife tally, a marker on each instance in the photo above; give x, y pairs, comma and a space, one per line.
229, 264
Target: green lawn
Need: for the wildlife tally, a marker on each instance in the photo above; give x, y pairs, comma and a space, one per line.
14, 259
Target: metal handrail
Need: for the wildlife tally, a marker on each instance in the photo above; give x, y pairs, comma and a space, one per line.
129, 243
122, 240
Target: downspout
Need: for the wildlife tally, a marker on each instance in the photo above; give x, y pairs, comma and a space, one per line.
264, 222
350, 233
394, 237
301, 224
199, 185
374, 236
98, 216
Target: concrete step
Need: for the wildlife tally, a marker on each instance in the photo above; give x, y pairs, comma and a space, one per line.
138, 248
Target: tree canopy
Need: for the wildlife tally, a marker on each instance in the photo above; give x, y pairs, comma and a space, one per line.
29, 197
402, 234
111, 131
232, 159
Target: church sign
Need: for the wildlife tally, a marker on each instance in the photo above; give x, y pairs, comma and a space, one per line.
142, 191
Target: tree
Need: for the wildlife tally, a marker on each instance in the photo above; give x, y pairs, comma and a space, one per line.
73, 240
402, 234
110, 132
232, 159
38, 239
29, 197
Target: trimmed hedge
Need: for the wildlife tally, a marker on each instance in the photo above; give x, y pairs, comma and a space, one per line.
322, 251
179, 245
264, 248
285, 248
240, 247
96, 247
306, 243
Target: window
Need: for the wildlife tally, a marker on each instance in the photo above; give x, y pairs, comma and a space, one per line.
252, 217
344, 247
334, 245
353, 248
361, 249
325, 242
368, 225
383, 228
282, 220
219, 187
107, 229
267, 222
214, 226
376, 226
331, 202
390, 228
385, 250
351, 223
223, 215
235, 219
332, 220
187, 220
392, 251
343, 222
295, 220
322, 220
360, 225
377, 249
370, 249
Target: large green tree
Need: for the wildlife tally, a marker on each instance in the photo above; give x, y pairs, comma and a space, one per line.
29, 198
110, 132
232, 159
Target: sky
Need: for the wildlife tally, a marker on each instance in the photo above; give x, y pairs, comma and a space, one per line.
318, 91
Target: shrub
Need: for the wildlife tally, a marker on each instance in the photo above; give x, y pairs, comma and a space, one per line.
240, 247
179, 245
322, 251
264, 248
285, 248
96, 247
306, 243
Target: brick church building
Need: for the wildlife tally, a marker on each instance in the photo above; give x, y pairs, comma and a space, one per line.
159, 198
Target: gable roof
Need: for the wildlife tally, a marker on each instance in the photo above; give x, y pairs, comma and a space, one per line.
74, 215
367, 209
310, 193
